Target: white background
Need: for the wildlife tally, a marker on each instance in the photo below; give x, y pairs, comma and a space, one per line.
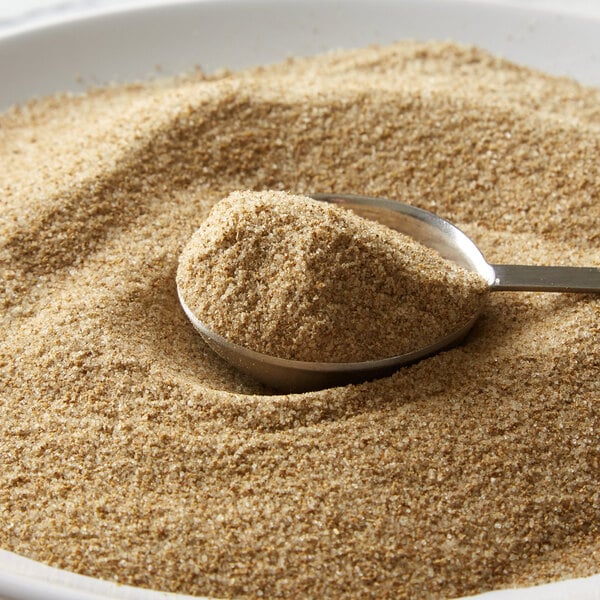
14, 13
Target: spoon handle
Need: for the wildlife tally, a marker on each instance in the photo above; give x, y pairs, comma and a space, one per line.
525, 278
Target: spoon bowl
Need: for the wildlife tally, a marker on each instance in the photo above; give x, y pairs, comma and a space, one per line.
288, 376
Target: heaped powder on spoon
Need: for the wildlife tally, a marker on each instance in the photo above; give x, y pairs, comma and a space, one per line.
131, 452
296, 278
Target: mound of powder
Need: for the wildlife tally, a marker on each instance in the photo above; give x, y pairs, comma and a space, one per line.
296, 278
131, 452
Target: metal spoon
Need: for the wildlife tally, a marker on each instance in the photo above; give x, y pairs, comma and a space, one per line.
297, 376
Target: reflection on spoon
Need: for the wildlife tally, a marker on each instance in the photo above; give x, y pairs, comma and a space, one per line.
287, 375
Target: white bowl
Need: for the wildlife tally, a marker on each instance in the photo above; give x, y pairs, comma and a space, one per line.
127, 44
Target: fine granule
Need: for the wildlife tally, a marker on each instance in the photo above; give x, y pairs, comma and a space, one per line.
301, 279
131, 452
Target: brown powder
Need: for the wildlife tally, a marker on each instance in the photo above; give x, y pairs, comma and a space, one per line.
292, 277
131, 452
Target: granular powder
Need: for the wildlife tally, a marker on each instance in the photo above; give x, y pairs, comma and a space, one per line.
296, 278
131, 452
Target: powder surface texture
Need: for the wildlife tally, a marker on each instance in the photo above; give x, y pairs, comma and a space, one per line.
301, 279
131, 452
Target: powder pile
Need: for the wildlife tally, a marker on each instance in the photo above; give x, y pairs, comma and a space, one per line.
296, 278
131, 452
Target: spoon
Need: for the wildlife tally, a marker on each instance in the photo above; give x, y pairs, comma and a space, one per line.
287, 376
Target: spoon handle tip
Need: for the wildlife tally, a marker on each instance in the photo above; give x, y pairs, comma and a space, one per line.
525, 278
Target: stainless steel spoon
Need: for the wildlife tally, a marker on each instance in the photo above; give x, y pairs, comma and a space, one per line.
297, 376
